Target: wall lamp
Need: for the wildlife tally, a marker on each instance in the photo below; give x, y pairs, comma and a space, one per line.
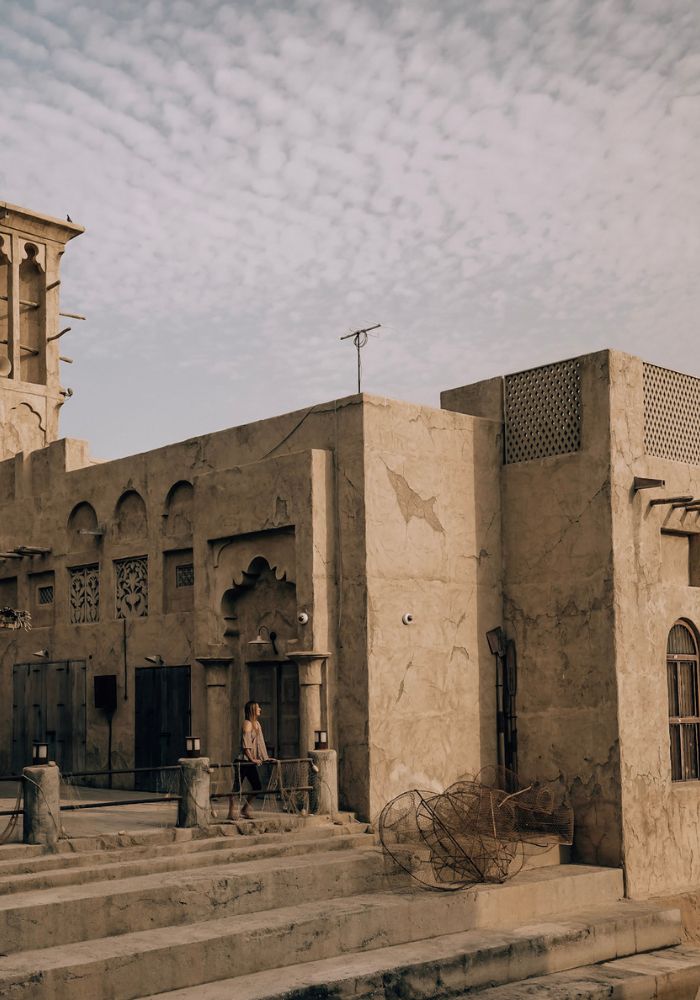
260, 641
496, 639
98, 532
157, 659
193, 746
43, 654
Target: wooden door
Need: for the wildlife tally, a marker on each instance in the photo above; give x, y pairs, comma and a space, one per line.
48, 704
162, 723
288, 710
275, 687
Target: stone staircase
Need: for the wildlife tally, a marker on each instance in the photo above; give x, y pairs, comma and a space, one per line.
258, 911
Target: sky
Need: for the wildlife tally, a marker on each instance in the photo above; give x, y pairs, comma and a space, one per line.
499, 183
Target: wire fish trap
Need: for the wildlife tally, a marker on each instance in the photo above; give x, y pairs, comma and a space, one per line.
473, 832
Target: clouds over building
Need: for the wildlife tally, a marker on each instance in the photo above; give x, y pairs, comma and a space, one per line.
499, 184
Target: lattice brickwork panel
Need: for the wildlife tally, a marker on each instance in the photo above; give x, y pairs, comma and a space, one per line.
543, 412
671, 415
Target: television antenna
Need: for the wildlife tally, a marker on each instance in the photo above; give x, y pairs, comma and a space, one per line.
360, 338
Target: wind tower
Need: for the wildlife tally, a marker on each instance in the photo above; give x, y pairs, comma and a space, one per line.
31, 396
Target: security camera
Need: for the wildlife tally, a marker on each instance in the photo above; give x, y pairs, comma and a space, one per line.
407, 618
303, 618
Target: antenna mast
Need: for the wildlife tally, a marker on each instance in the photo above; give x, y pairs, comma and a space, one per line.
360, 338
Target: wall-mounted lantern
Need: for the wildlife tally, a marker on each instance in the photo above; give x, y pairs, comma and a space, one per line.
320, 739
259, 639
193, 746
40, 753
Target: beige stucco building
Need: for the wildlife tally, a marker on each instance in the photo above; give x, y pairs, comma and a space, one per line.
343, 564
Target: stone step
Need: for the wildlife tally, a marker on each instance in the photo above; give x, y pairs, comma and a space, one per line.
145, 962
670, 974
64, 915
458, 964
50, 871
14, 852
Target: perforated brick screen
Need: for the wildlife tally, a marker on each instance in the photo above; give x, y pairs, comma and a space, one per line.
543, 412
671, 415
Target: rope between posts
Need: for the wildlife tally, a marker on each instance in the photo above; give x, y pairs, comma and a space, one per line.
9, 830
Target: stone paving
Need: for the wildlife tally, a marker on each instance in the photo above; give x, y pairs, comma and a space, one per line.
89, 822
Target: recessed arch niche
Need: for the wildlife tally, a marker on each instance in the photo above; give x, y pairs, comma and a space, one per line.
130, 517
261, 596
82, 518
177, 513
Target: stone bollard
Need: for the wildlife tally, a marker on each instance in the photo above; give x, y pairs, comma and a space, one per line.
42, 804
324, 783
194, 807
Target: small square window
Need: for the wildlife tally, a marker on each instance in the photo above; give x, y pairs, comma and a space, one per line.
184, 575
45, 595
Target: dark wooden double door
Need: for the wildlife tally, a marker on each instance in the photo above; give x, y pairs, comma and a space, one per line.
48, 705
275, 687
162, 724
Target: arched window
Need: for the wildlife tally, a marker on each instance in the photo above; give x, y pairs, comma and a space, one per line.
683, 707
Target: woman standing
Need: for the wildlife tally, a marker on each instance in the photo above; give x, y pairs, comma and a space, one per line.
254, 753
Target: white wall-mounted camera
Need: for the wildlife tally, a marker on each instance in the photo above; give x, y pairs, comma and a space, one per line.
303, 618
407, 618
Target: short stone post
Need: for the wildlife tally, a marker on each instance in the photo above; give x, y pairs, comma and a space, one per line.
324, 782
42, 804
193, 809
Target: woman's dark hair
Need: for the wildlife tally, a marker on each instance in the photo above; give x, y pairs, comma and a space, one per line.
248, 710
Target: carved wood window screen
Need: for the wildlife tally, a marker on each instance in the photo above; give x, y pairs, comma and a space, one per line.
542, 409
84, 594
671, 415
683, 703
132, 587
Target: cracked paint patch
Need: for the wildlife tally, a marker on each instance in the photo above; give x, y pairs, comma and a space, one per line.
411, 504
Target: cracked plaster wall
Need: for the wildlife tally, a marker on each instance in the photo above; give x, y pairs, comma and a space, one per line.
558, 607
433, 550
558, 599
652, 590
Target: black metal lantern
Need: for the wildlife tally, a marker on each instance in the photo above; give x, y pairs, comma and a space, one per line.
320, 739
193, 746
40, 753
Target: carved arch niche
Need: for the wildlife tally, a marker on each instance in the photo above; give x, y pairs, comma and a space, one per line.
263, 597
24, 431
130, 517
177, 515
255, 576
82, 519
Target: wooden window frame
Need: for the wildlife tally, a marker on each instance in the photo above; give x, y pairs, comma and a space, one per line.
683, 681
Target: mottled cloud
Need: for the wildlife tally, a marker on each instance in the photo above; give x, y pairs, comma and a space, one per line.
499, 183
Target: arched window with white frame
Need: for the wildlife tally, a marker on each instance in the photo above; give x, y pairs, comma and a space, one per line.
683, 701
